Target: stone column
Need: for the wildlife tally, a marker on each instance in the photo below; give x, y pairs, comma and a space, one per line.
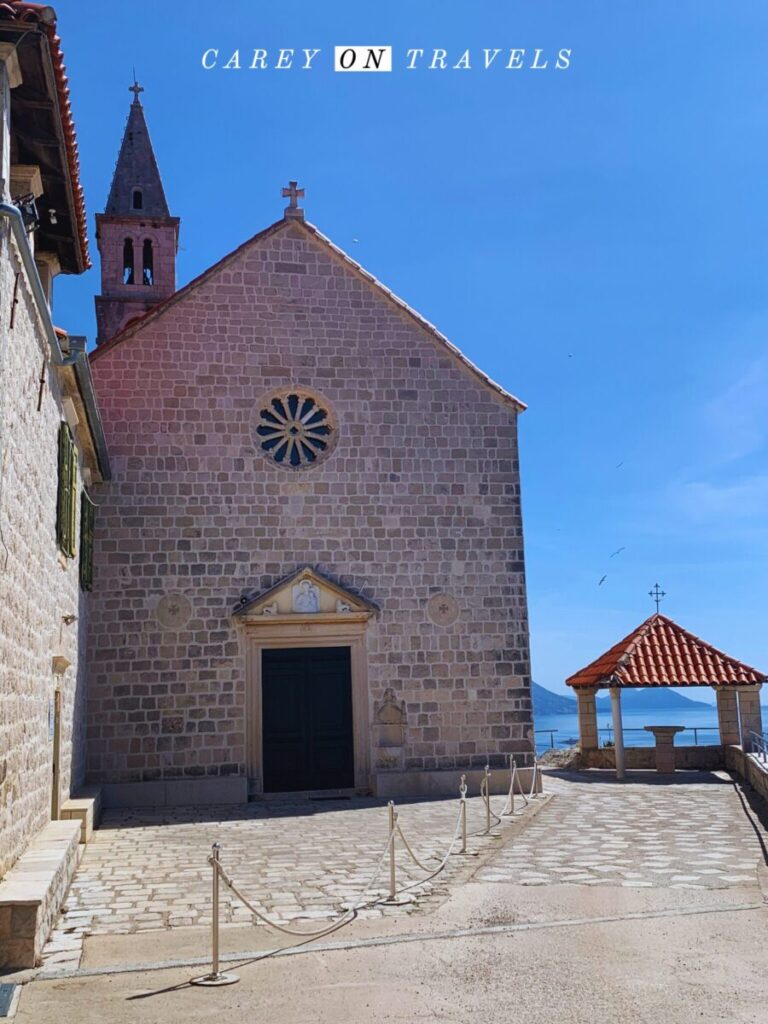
727, 715
618, 731
750, 717
585, 696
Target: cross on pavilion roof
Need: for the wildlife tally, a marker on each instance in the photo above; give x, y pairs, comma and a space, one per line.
661, 653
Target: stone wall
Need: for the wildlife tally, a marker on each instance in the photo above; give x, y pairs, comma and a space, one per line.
420, 498
702, 758
36, 587
749, 767
119, 302
33, 891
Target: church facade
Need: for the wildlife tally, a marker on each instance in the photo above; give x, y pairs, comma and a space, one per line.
308, 566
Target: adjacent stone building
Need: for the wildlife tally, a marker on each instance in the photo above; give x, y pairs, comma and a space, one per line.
51, 453
309, 569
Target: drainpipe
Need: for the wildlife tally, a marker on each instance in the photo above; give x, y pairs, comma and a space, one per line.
12, 214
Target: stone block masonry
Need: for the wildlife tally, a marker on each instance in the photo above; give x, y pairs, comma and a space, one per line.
420, 497
37, 585
33, 891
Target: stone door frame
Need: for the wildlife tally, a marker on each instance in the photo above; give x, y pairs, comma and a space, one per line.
348, 630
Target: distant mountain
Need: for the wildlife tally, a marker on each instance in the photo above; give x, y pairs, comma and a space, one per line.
547, 703
655, 697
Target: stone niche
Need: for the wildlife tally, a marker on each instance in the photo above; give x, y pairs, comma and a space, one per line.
389, 732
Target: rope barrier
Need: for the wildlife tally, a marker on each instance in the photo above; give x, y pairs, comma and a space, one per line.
510, 801
485, 793
216, 977
410, 852
534, 778
343, 920
508, 810
441, 865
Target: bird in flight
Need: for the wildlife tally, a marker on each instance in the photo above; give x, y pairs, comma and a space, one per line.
618, 551
602, 581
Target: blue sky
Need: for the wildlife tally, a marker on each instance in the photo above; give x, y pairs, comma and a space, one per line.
595, 239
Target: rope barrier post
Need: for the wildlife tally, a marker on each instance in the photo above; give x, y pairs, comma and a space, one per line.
392, 876
487, 794
215, 977
512, 777
463, 794
395, 898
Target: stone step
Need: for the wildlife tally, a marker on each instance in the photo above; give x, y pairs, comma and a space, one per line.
33, 890
85, 808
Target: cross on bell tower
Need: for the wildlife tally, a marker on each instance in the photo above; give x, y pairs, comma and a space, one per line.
293, 193
136, 234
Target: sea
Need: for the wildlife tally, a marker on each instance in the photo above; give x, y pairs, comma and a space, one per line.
563, 730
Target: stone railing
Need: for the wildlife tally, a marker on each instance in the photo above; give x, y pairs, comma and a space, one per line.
750, 767
702, 758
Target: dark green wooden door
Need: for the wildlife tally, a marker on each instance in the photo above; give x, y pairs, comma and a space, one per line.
306, 701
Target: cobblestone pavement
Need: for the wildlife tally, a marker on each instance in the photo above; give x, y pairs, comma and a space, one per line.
690, 832
147, 869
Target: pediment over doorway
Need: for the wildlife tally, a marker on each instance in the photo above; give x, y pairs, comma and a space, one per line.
305, 595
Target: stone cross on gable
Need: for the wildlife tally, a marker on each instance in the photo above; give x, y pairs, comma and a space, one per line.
293, 193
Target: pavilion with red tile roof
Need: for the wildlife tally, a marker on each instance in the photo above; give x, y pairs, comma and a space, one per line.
659, 652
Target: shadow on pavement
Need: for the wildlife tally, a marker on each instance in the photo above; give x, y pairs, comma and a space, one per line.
644, 777
256, 810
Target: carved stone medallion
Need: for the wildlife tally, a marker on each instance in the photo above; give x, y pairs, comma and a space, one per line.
443, 609
173, 611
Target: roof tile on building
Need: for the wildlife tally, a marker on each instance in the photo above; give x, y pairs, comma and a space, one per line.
45, 17
661, 653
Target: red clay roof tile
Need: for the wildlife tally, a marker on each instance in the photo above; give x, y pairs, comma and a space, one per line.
45, 16
661, 653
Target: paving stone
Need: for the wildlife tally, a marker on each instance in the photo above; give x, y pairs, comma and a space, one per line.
636, 834
147, 869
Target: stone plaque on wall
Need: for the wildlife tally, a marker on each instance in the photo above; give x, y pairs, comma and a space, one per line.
173, 611
443, 609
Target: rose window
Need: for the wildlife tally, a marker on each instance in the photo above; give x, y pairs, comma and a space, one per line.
295, 429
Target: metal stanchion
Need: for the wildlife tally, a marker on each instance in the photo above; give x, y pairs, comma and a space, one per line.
512, 780
463, 792
215, 977
394, 898
392, 873
487, 794
485, 789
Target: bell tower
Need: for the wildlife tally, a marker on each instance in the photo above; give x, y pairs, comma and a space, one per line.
136, 235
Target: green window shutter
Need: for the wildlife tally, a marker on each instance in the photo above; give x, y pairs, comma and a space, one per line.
72, 499
62, 508
87, 521
67, 495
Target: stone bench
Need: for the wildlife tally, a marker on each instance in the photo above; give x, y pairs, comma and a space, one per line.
32, 892
85, 808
